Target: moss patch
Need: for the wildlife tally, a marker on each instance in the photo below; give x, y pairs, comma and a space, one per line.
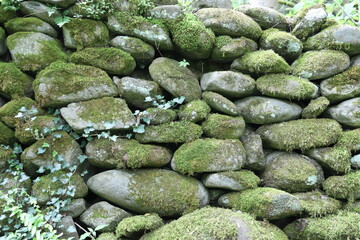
137, 225
159, 116
6, 15
7, 135
350, 140
223, 127
343, 187
194, 111
315, 107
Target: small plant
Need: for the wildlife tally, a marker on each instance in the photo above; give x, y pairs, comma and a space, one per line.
184, 63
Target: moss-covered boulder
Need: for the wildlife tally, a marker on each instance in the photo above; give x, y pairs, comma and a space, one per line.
344, 225
300, 134
135, 91
208, 155
172, 132
166, 12
142, 52
13, 180
255, 159
41, 11
286, 86
350, 140
5, 155
103, 213
232, 180
177, 80
315, 107
107, 236
158, 116
216, 223
6, 15
169, 194
264, 110
136, 226
227, 49
108, 154
321, 64
292, 172
60, 3
30, 24
64, 83
347, 112
33, 51
263, 203
260, 62
3, 47
194, 111
7, 135
220, 103
343, 187
223, 126
342, 37
229, 22
228, 83
211, 4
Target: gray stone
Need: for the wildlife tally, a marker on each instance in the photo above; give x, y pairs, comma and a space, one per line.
75, 208
159, 116
255, 159
355, 161
30, 24
355, 61
166, 12
347, 112
194, 111
220, 104
212, 4
3, 48
40, 10
60, 3
315, 108
67, 228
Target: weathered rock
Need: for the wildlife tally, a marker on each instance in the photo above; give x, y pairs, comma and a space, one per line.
60, 3
12, 180
5, 155
66, 227
355, 161
223, 126
255, 159
170, 194
30, 24
208, 155
220, 104
315, 107
158, 116
3, 47
194, 111
75, 208
107, 236
166, 12
95, 11
7, 135
40, 10
350, 140
347, 112
343, 187
212, 4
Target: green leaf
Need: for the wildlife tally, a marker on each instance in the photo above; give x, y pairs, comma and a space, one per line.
101, 227
184, 63
139, 129
41, 150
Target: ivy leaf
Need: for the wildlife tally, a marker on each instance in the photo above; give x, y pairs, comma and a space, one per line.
148, 99
100, 227
109, 125
45, 145
82, 158
184, 63
129, 135
113, 138
179, 100
139, 129
61, 21
41, 150
146, 120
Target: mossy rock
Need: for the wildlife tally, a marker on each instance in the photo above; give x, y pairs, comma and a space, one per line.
208, 155
5, 155
220, 103
108, 154
255, 158
75, 208
30, 24
263, 203
166, 12
135, 91
228, 83
223, 126
177, 80
44, 50
329, 22
300, 134
7, 135
159, 116
347, 112
260, 62
136, 226
3, 47
173, 132
6, 15
63, 83
355, 161
41, 11
343, 86
59, 3
229, 22
227, 49
107, 236
170, 194
350, 140
315, 107
343, 225
342, 37
231, 180
353, 206
343, 187
321, 64
286, 86
11, 180
194, 111
13, 82
212, 4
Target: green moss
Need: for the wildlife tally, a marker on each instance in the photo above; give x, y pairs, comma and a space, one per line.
223, 127
221, 41
315, 107
24, 25
350, 140
221, 104
247, 178
343, 187
194, 111
138, 225
7, 135
2, 34
107, 236
159, 116
6, 15
5, 155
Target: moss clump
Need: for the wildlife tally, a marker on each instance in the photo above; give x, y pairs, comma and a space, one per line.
350, 140
194, 111
286, 86
220, 104
343, 187
107, 236
7, 135
111, 60
300, 134
223, 127
221, 41
159, 116
6, 15
315, 107
247, 178
138, 225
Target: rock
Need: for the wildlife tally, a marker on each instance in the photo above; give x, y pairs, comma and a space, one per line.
350, 140
315, 65
107, 236
343, 86
228, 83
158, 116
84, 33
64, 83
95, 11
166, 12
266, 17
66, 227
32, 51
7, 135
343, 187
229, 22
172, 132
300, 134
283, 43
255, 159
178, 81
5, 155
122, 153
12, 180
342, 37
194, 111
3, 47
208, 155
38, 155
40, 10
315, 107
6, 15
264, 110
75, 208
215, 223
30, 24
355, 61
103, 213
352, 206
60, 3
212, 4
135, 91
223, 126
136, 226
260, 62
227, 49
132, 190
263, 203
234, 180
292, 172
347, 112
142, 52
286, 86
123, 23
220, 104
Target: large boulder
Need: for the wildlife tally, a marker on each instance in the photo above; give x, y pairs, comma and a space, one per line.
347, 112
30, 24
41, 10
343, 187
